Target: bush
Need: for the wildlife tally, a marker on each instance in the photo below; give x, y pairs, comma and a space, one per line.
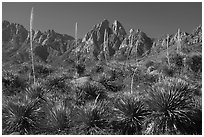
112, 80
173, 109
194, 62
149, 63
80, 68
167, 70
129, 114
113, 86
56, 83
13, 83
58, 121
93, 119
90, 91
177, 60
42, 70
25, 116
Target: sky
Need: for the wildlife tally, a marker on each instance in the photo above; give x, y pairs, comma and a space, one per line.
154, 18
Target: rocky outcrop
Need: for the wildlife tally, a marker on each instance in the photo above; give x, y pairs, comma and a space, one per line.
13, 32
118, 29
135, 45
94, 39
16, 39
196, 36
60, 49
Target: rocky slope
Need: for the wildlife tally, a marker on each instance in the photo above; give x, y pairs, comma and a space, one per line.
60, 49
16, 46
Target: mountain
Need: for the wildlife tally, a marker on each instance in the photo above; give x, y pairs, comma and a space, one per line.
60, 49
16, 46
135, 45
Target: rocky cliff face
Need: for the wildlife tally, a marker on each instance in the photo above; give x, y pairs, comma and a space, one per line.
13, 32
94, 39
16, 38
135, 45
52, 47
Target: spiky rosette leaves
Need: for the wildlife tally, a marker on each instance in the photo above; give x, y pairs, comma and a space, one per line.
35, 91
93, 119
90, 91
129, 113
22, 115
173, 109
58, 121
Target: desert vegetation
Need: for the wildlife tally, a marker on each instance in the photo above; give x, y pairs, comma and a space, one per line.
155, 94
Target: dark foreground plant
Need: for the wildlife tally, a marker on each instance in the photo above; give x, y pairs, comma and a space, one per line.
194, 62
12, 83
90, 91
93, 119
22, 115
173, 109
129, 114
58, 121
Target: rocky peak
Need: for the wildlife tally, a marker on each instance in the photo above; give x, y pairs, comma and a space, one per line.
198, 31
118, 29
37, 35
18, 38
140, 44
11, 31
97, 32
5, 24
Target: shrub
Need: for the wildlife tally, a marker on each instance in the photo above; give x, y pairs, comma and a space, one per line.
93, 119
80, 68
90, 91
42, 70
149, 63
129, 114
56, 83
167, 70
58, 120
194, 62
35, 91
112, 80
113, 86
24, 116
98, 69
13, 83
177, 60
173, 109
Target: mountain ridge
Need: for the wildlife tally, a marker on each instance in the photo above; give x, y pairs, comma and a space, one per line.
50, 46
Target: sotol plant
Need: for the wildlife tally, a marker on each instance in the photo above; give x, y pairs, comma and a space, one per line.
105, 44
178, 41
31, 44
22, 115
58, 121
173, 109
92, 119
167, 52
134, 73
129, 114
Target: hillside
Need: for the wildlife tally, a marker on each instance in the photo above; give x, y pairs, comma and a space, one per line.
111, 82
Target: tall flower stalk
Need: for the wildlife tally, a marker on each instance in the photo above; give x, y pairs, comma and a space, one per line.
167, 52
76, 25
31, 44
132, 80
129, 51
178, 41
105, 44
76, 33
